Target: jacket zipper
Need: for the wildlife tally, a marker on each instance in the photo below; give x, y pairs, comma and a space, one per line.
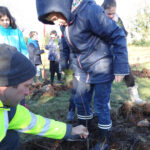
69, 41
68, 38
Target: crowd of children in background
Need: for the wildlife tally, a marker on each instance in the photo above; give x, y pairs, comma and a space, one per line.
53, 56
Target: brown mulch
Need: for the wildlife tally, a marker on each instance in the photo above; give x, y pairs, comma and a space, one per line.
145, 73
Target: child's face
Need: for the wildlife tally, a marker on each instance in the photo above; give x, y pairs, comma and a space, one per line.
53, 36
4, 21
110, 12
57, 18
35, 37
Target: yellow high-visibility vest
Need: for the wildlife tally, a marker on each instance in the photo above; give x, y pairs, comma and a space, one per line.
28, 122
3, 121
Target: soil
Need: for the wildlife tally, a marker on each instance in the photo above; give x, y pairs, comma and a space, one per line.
126, 133
145, 73
45, 89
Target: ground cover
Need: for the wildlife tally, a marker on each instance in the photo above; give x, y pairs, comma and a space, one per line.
131, 127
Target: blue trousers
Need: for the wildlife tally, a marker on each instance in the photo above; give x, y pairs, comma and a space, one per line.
83, 98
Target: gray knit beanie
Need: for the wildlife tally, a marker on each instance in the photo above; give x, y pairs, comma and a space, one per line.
15, 68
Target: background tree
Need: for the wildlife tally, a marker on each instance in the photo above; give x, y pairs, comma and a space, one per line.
139, 30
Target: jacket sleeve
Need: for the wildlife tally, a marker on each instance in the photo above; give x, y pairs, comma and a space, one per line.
47, 47
39, 52
23, 48
64, 54
112, 34
31, 48
28, 122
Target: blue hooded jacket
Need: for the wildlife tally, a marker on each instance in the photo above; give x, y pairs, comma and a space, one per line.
13, 37
89, 36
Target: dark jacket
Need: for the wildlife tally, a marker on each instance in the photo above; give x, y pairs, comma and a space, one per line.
53, 50
89, 36
34, 52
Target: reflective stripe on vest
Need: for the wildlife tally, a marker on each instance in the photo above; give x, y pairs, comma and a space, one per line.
3, 121
28, 122
45, 127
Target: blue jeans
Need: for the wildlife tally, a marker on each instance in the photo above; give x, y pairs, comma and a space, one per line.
83, 100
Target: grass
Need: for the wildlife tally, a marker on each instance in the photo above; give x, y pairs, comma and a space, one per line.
53, 107
138, 54
120, 92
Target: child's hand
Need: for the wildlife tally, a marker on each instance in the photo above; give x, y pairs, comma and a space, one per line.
63, 73
119, 78
115, 18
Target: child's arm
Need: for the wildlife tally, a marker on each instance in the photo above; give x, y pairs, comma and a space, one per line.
112, 34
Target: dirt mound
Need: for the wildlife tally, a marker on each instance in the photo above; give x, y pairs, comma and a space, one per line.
135, 113
45, 89
145, 73
125, 133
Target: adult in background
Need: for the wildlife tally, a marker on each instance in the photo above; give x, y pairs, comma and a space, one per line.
110, 10
11, 35
35, 53
16, 77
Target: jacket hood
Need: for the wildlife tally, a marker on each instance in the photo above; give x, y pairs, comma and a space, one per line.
34, 42
44, 7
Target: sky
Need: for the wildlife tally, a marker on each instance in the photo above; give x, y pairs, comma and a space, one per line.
25, 13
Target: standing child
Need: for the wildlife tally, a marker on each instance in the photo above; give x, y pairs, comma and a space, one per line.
35, 53
89, 35
11, 35
110, 10
53, 57
15, 118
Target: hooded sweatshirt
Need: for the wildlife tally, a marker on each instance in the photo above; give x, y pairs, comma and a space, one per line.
89, 35
13, 37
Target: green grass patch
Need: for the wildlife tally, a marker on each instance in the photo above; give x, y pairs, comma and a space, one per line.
120, 92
